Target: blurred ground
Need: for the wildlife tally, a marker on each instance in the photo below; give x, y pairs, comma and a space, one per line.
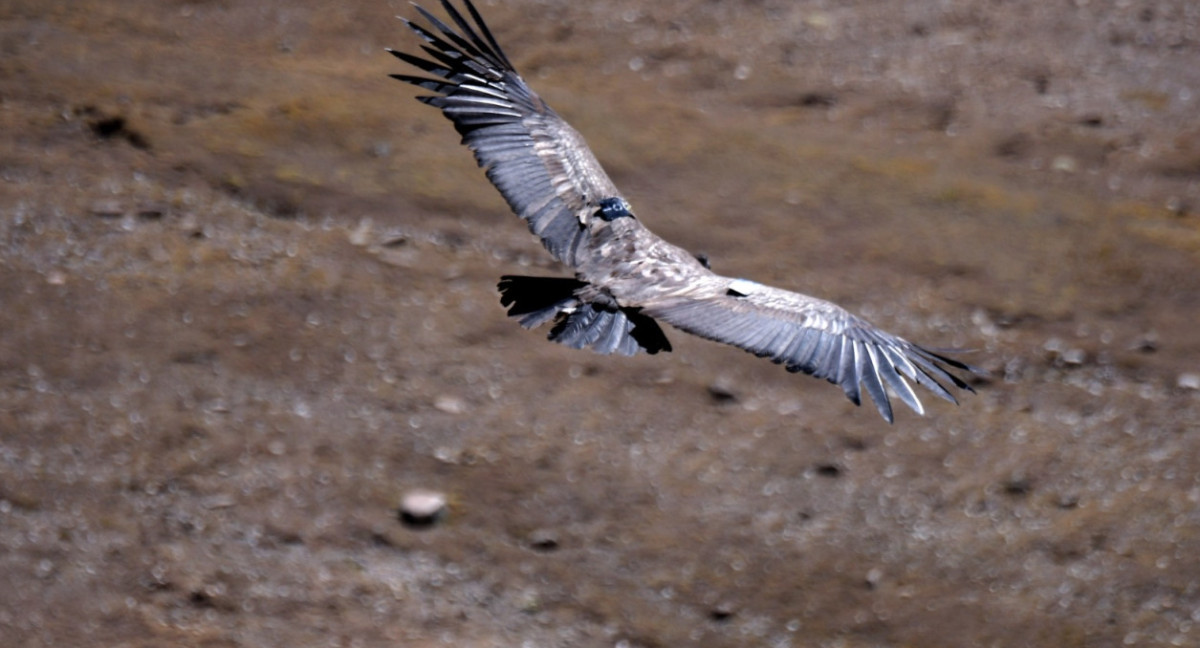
247, 301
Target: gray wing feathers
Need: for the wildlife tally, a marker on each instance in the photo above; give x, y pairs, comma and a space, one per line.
541, 165
819, 338
603, 331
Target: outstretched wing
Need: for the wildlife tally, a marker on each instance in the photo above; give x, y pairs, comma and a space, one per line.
539, 163
816, 337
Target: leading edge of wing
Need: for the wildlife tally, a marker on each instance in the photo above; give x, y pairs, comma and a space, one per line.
540, 165
821, 339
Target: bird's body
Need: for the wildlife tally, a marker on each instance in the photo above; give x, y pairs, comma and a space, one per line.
627, 278
637, 267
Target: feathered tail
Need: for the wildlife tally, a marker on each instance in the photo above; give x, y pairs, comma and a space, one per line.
579, 324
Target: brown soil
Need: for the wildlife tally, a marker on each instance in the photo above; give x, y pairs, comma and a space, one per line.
247, 295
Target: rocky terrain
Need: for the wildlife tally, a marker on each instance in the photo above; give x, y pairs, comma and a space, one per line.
247, 303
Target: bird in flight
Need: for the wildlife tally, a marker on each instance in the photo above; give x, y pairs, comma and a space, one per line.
627, 279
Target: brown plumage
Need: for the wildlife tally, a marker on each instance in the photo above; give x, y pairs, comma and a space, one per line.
626, 277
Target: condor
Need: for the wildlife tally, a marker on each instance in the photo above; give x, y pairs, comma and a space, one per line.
627, 279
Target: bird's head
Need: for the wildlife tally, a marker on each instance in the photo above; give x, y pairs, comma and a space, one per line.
613, 208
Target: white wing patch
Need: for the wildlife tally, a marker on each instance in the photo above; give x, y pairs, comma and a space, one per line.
744, 287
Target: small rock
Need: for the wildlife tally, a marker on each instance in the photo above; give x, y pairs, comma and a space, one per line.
874, 576
45, 568
1065, 164
450, 404
819, 20
107, 209
421, 508
721, 611
1188, 381
394, 240
828, 470
151, 212
219, 502
1146, 343
1074, 356
722, 392
1067, 501
361, 235
543, 540
1017, 486
1177, 206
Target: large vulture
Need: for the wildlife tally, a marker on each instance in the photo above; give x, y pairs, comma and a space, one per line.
627, 279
